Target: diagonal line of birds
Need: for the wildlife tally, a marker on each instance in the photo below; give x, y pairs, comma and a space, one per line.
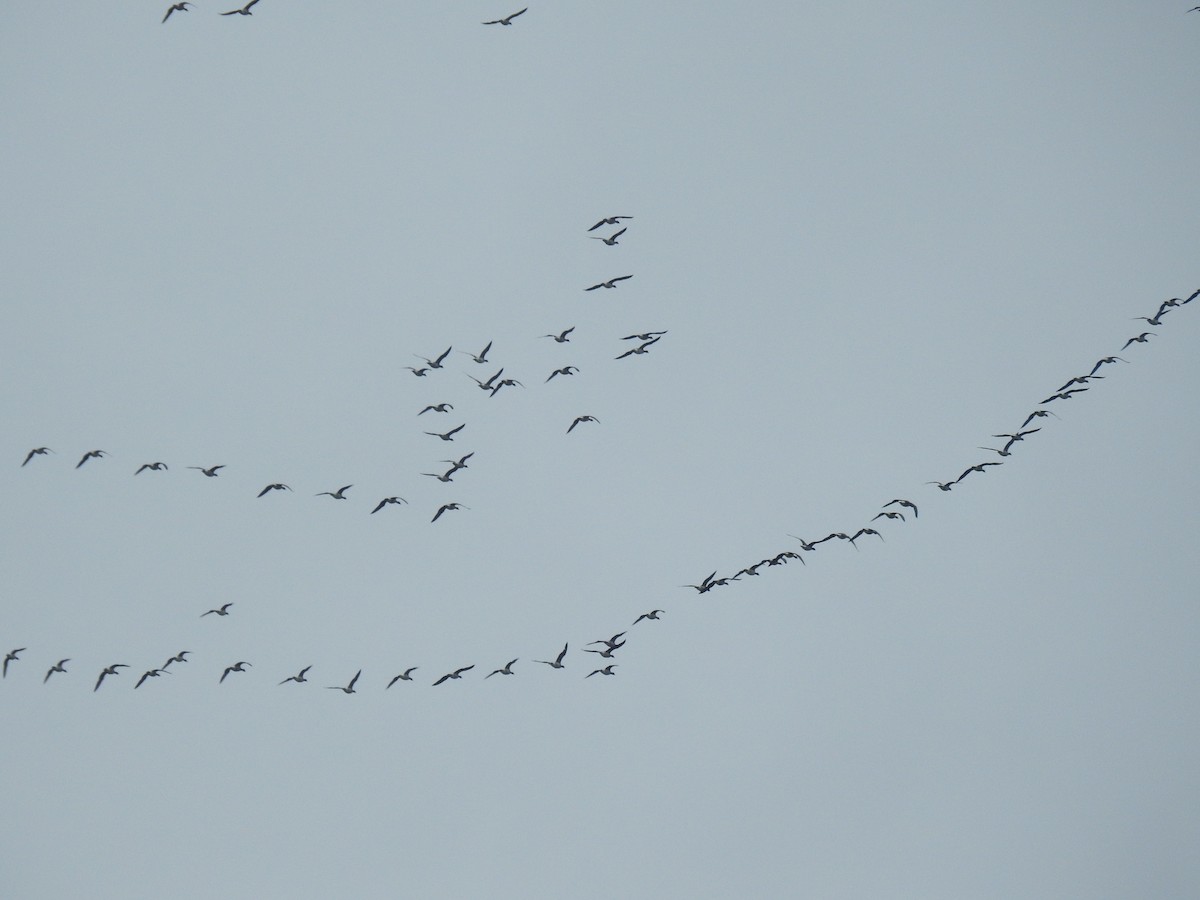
896, 510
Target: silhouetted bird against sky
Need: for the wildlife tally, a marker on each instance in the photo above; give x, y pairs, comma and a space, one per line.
609, 220
565, 370
385, 501
57, 667
300, 677
277, 486
447, 435
1139, 339
611, 240
435, 363
486, 385
457, 673
175, 7
180, 657
905, 503
150, 673
11, 656
244, 11
91, 454
607, 670
641, 348
420, 373
653, 614
37, 451
223, 610
978, 467
646, 336
406, 675
211, 472
1038, 414
153, 467
445, 507
890, 514
611, 283
562, 336
505, 670
1064, 395
507, 20
348, 689
507, 382
438, 407
339, 494
558, 660
106, 671
236, 667
1107, 360
481, 356
579, 419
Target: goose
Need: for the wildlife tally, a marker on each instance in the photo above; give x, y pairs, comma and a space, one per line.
609, 220
385, 501
653, 615
506, 670
607, 652
176, 7
861, 533
507, 20
613, 642
420, 373
978, 467
57, 667
457, 673
447, 506
704, 586
562, 336
91, 454
892, 514
180, 657
37, 451
481, 356
437, 407
445, 477
339, 494
461, 462
641, 348
486, 385
223, 610
244, 11
942, 485
611, 283
804, 545
406, 675
1105, 361
611, 240
579, 419
211, 471
908, 504
300, 677
277, 486
1064, 395
11, 656
348, 689
1038, 414
150, 673
507, 382
153, 467
607, 670
647, 336
435, 363
565, 370
558, 660
108, 670
236, 667
1139, 339
447, 435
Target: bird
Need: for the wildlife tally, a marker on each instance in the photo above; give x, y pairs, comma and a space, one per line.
1080, 379
481, 356
607, 652
277, 486
804, 545
236, 667
1038, 414
653, 614
908, 504
942, 485
612, 643
1107, 360
299, 677
1064, 395
37, 451
641, 348
457, 673
180, 657
862, 532
461, 462
507, 382
611, 240
507, 20
385, 501
435, 363
222, 611
153, 467
447, 435
348, 689
57, 667
91, 454
579, 419
607, 670
646, 336
175, 7
840, 535
445, 477
244, 11
444, 507
1140, 339
1193, 9
1154, 320
611, 283
211, 471
888, 514
420, 373
406, 675
437, 407
108, 670
562, 336
506, 670
706, 585
1003, 451
11, 656
609, 220
486, 385
558, 660
978, 467
565, 370
150, 673
339, 494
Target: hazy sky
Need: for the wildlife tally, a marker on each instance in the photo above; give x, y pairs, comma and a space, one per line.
875, 235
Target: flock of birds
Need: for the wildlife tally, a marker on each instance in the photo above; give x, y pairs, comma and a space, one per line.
898, 509
247, 11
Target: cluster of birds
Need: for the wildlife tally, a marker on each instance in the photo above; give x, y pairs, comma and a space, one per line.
246, 11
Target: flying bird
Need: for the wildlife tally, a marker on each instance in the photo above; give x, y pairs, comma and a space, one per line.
446, 477
486, 385
865, 531
108, 670
447, 435
1107, 360
507, 382
1038, 414
339, 494
211, 472
91, 454
506, 670
707, 584
908, 504
348, 689
565, 370
437, 407
457, 673
37, 451
607, 670
890, 514
153, 467
1064, 395
558, 660
942, 485
611, 283
461, 462
611, 240
607, 652
444, 507
1080, 379
561, 337
385, 501
180, 657
646, 336
978, 467
236, 667
507, 20
609, 220
277, 486
420, 373
481, 356
11, 656
175, 7
579, 419
653, 615
641, 348
222, 611
1140, 339
613, 642
244, 11
406, 675
435, 363
299, 677
150, 673
57, 667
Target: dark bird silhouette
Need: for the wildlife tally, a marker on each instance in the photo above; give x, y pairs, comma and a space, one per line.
153, 467
348, 689
507, 20
222, 611
562, 336
385, 501
558, 660
339, 494
611, 240
1038, 414
908, 504
607, 670
461, 462
1107, 360
180, 657
862, 532
1080, 379
11, 656
91, 454
150, 673
446, 477
978, 467
653, 615
888, 514
579, 419
481, 356
1139, 339
486, 385
57, 667
277, 486
211, 472
435, 363
244, 11
300, 677
444, 507
609, 220
108, 670
942, 485
236, 667
1002, 451
612, 642
406, 675
1064, 395
420, 373
437, 407
457, 673
37, 451
706, 585
611, 283
641, 348
607, 652
447, 435
647, 336
506, 670
175, 7
565, 370
507, 382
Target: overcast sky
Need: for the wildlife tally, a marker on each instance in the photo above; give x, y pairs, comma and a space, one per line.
875, 236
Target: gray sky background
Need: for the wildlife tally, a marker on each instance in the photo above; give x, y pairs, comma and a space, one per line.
875, 234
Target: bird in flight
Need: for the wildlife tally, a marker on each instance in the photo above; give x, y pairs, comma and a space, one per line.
942, 485
865, 531
507, 20
607, 670
444, 507
420, 373
579, 419
37, 451
339, 494
385, 501
908, 504
457, 673
348, 689
978, 467
406, 675
641, 348
611, 283
57, 667
180, 657
565, 370
446, 477
11, 656
888, 514
244, 11
486, 385
435, 363
707, 584
608, 651
108, 670
153, 467
1064, 395
300, 677
507, 382
481, 356
447, 435
91, 454
561, 337
611, 240
437, 407
646, 336
211, 471
609, 220
460, 463
1107, 360
558, 660
236, 667
150, 673
653, 615
222, 611
1140, 339
277, 486
506, 670
176, 7
1037, 414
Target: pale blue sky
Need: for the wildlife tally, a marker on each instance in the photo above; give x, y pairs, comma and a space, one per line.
876, 236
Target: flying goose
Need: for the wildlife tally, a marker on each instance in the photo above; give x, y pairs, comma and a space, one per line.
175, 7
611, 240
108, 670
222, 611
558, 660
406, 675
457, 673
339, 494
611, 283
37, 451
385, 501
507, 20
153, 467
348, 689
277, 486
506, 670
91, 454
236, 667
299, 677
579, 419
609, 220
57, 667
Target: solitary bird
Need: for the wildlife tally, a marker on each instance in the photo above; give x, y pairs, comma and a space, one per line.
457, 673
108, 670
579, 419
481, 356
444, 507
558, 660
437, 407
611, 283
11, 657
406, 675
562, 336
244, 11
506, 670
348, 689
339, 494
91, 454
385, 501
277, 486
611, 240
37, 451
211, 471
150, 673
153, 467
435, 363
447, 435
175, 7
507, 20
653, 614
223, 610
565, 370
300, 677
57, 667
236, 667
1140, 339
609, 220
607, 670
